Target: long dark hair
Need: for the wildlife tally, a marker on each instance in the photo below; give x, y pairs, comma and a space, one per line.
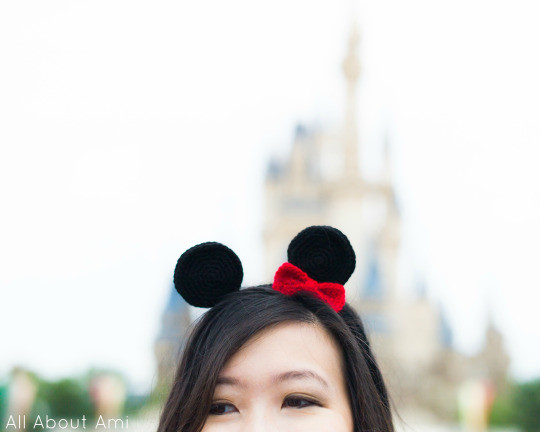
227, 326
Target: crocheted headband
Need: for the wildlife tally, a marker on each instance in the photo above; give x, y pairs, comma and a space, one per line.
320, 260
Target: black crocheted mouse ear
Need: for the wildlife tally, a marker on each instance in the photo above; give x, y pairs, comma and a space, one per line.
206, 272
324, 253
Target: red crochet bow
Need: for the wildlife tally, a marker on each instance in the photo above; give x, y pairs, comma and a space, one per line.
289, 280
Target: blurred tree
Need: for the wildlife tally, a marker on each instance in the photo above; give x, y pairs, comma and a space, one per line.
502, 411
67, 398
526, 403
134, 403
70, 398
3, 402
518, 406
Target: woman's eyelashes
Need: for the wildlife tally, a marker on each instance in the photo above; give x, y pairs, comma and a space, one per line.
297, 402
220, 408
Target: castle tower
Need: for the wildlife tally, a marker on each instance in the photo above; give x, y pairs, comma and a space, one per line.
493, 360
320, 183
351, 70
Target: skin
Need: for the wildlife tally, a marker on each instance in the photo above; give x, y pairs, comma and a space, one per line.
247, 398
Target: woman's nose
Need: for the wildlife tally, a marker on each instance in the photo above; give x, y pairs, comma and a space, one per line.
260, 421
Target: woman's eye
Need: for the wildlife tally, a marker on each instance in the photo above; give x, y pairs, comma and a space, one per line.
298, 402
221, 408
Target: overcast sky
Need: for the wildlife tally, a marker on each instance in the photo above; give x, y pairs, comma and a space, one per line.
131, 130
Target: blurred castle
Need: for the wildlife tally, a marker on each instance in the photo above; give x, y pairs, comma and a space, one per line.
175, 322
321, 184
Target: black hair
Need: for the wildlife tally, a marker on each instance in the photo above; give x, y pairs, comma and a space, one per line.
232, 322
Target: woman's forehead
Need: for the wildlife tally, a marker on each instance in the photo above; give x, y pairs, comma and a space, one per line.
300, 350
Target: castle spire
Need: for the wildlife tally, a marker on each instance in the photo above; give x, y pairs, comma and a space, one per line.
351, 69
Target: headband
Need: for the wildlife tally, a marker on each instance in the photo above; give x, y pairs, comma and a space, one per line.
320, 261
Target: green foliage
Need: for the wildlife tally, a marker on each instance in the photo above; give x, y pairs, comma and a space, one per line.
134, 403
502, 411
3, 402
519, 406
69, 398
527, 406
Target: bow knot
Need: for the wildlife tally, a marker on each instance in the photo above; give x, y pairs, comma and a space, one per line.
289, 280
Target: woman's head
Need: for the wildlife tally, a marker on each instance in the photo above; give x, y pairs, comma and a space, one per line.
287, 378
240, 332
291, 356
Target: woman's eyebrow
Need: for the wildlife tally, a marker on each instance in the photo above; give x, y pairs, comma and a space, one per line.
225, 380
285, 376
299, 374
